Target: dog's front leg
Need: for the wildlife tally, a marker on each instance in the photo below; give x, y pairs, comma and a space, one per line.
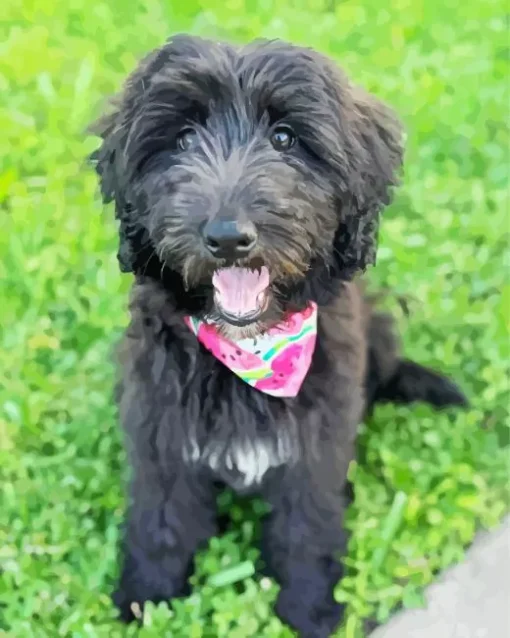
301, 545
167, 522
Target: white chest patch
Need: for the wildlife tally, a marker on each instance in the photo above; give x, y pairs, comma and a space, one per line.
252, 459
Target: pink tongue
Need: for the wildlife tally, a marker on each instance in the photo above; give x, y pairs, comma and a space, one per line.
238, 289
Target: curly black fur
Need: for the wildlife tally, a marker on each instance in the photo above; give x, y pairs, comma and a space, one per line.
191, 425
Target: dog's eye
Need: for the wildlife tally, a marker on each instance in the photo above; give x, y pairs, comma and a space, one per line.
282, 138
186, 139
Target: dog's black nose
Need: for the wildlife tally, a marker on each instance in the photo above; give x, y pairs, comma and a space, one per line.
229, 239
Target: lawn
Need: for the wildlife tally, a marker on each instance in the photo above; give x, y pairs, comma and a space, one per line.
424, 483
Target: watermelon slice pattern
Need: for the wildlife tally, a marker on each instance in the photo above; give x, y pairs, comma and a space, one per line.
275, 363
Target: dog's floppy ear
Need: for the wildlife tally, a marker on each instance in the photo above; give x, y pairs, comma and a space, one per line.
375, 159
103, 158
106, 163
109, 162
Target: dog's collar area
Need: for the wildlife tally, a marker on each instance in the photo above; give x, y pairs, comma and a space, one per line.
275, 362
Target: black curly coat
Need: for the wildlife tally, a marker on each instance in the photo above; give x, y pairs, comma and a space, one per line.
192, 426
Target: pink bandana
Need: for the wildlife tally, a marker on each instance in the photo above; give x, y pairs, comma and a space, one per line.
276, 362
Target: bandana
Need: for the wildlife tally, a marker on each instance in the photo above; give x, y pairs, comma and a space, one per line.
275, 362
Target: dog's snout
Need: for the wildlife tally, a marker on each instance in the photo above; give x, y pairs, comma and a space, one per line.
229, 239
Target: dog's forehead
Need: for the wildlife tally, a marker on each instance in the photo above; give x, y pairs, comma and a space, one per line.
280, 60
264, 70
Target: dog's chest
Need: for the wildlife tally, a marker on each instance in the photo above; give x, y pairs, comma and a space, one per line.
240, 461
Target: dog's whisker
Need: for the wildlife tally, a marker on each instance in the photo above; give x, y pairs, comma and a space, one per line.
148, 260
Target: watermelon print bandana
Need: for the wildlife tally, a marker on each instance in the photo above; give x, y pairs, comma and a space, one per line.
276, 362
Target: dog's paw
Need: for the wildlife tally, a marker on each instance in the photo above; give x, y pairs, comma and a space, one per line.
130, 603
129, 610
307, 621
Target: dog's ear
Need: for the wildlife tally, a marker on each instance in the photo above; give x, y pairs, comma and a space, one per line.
109, 162
106, 163
103, 158
374, 163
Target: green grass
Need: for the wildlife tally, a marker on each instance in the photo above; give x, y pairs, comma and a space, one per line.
425, 482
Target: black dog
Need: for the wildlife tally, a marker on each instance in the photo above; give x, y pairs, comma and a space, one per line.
248, 184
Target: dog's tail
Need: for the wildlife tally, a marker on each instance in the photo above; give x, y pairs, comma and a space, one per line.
412, 382
393, 379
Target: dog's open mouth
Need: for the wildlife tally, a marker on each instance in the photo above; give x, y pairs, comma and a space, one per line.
241, 295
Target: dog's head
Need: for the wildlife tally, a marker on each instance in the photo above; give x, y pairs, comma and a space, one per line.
248, 179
